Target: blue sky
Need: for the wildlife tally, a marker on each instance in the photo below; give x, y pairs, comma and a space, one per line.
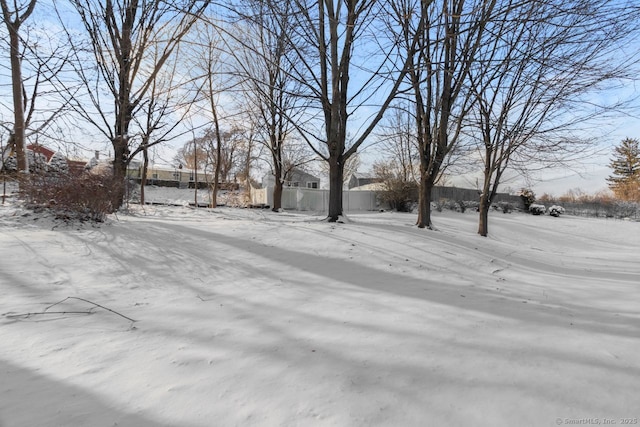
587, 174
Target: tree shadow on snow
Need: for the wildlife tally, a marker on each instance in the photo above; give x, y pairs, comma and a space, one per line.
486, 299
279, 351
28, 398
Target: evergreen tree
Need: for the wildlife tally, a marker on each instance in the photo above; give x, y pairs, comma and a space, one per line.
625, 180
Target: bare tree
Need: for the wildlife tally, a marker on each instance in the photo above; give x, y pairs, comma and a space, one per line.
398, 168
163, 111
221, 151
250, 151
120, 35
266, 71
439, 71
14, 17
398, 144
536, 67
210, 80
193, 157
330, 40
44, 59
226, 153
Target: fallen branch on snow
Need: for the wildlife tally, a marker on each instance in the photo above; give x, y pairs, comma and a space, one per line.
90, 311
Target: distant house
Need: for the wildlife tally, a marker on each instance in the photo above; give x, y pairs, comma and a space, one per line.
44, 151
173, 176
358, 179
296, 178
98, 165
54, 160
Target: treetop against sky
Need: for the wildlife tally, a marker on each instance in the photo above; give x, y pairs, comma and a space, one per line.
586, 173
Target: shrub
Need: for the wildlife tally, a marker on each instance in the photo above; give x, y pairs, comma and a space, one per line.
528, 198
399, 195
623, 209
505, 207
398, 190
85, 197
451, 205
474, 205
536, 209
556, 210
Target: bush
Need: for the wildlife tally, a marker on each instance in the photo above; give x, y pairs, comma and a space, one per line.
556, 210
536, 209
602, 204
85, 197
528, 198
399, 195
474, 205
505, 207
452, 205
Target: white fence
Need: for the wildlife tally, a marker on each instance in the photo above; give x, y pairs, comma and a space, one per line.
308, 199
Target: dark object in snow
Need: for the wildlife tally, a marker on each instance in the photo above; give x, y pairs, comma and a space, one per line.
536, 209
556, 210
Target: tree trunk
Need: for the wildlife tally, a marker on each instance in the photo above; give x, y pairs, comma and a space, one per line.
277, 195
423, 215
278, 174
247, 172
424, 201
143, 177
121, 156
336, 172
483, 223
488, 192
216, 173
124, 108
18, 100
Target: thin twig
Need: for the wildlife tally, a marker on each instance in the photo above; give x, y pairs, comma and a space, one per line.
97, 305
90, 311
11, 316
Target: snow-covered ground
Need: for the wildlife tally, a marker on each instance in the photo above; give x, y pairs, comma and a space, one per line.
174, 316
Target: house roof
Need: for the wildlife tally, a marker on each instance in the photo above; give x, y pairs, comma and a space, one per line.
47, 153
295, 174
363, 175
166, 168
374, 186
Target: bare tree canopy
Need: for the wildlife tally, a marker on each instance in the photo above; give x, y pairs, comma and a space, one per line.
347, 70
539, 66
505, 71
44, 59
439, 70
265, 68
14, 17
120, 36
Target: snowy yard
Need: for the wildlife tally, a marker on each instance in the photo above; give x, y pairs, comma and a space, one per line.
251, 318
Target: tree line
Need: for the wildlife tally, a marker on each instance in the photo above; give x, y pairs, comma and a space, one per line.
446, 85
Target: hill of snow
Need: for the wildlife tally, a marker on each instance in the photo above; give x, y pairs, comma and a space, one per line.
173, 316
